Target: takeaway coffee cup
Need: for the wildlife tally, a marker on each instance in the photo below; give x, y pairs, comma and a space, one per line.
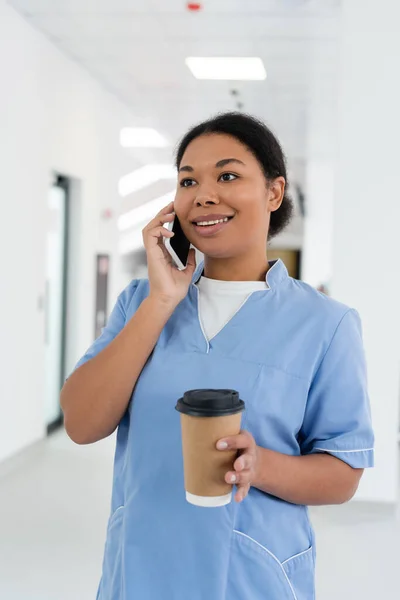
206, 417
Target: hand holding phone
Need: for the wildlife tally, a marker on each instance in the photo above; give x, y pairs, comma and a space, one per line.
167, 282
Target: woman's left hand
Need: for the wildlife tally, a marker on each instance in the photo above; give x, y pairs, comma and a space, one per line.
245, 466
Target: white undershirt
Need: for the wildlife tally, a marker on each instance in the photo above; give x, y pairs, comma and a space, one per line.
219, 301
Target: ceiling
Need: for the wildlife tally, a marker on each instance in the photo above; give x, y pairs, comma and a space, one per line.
137, 50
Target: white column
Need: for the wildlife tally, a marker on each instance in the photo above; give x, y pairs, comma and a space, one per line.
366, 232
316, 262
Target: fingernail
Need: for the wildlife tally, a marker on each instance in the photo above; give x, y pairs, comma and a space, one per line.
233, 478
222, 445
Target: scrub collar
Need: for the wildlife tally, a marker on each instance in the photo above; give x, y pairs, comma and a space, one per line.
276, 274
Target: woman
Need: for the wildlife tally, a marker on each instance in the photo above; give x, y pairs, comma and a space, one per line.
238, 322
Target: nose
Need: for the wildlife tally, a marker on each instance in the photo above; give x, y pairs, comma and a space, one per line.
206, 198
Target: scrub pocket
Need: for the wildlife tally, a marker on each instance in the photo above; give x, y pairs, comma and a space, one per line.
112, 564
256, 573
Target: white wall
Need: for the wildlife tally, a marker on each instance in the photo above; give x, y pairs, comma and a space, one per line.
53, 116
366, 242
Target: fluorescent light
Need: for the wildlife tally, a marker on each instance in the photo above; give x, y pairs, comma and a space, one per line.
143, 214
142, 137
233, 69
144, 177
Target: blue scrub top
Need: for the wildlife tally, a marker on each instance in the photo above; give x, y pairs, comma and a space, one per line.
296, 357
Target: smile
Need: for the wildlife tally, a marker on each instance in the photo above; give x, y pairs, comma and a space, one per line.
207, 223
211, 227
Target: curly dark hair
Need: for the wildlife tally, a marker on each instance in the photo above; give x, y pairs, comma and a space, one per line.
260, 140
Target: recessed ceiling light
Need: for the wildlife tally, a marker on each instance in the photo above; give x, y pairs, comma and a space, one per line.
233, 69
144, 213
142, 137
144, 177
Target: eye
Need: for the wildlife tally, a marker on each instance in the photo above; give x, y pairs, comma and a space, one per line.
187, 182
228, 177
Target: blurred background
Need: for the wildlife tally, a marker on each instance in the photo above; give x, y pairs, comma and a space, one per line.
94, 97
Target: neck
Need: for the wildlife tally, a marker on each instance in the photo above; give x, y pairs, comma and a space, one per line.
236, 269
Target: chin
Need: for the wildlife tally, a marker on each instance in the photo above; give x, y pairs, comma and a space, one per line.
213, 252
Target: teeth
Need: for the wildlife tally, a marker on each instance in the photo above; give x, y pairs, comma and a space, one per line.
208, 223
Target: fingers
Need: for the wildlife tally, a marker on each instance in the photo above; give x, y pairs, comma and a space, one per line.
242, 441
242, 493
159, 220
244, 465
243, 470
166, 218
156, 234
242, 478
155, 231
165, 214
242, 481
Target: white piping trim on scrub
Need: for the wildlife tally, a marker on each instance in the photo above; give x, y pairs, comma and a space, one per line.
296, 556
272, 556
200, 321
343, 451
112, 517
116, 510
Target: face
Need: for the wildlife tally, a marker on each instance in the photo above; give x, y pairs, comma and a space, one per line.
224, 201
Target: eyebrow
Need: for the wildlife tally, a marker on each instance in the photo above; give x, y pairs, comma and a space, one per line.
219, 165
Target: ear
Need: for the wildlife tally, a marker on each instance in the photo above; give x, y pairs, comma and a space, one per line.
276, 192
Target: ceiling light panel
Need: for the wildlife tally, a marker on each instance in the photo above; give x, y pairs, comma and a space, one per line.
229, 68
142, 137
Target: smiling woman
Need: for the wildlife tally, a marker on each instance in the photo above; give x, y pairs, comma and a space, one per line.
236, 322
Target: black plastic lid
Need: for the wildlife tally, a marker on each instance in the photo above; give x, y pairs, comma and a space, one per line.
210, 403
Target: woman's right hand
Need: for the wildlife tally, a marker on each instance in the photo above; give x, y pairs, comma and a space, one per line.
167, 283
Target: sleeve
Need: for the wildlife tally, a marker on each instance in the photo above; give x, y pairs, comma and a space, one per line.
337, 418
115, 324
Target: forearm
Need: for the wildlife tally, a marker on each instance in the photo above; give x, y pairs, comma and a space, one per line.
96, 396
314, 479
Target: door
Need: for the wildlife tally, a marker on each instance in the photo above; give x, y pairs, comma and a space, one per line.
102, 268
55, 303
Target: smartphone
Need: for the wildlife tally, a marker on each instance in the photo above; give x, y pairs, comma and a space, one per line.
178, 246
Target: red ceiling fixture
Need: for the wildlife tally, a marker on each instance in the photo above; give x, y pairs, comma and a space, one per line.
194, 6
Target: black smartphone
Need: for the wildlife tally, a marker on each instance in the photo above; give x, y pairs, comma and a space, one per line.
178, 246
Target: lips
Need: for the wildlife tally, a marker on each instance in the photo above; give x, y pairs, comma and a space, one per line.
210, 225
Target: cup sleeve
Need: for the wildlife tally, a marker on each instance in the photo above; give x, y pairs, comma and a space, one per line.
115, 324
337, 418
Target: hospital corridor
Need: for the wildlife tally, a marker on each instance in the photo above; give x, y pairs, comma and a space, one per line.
199, 300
